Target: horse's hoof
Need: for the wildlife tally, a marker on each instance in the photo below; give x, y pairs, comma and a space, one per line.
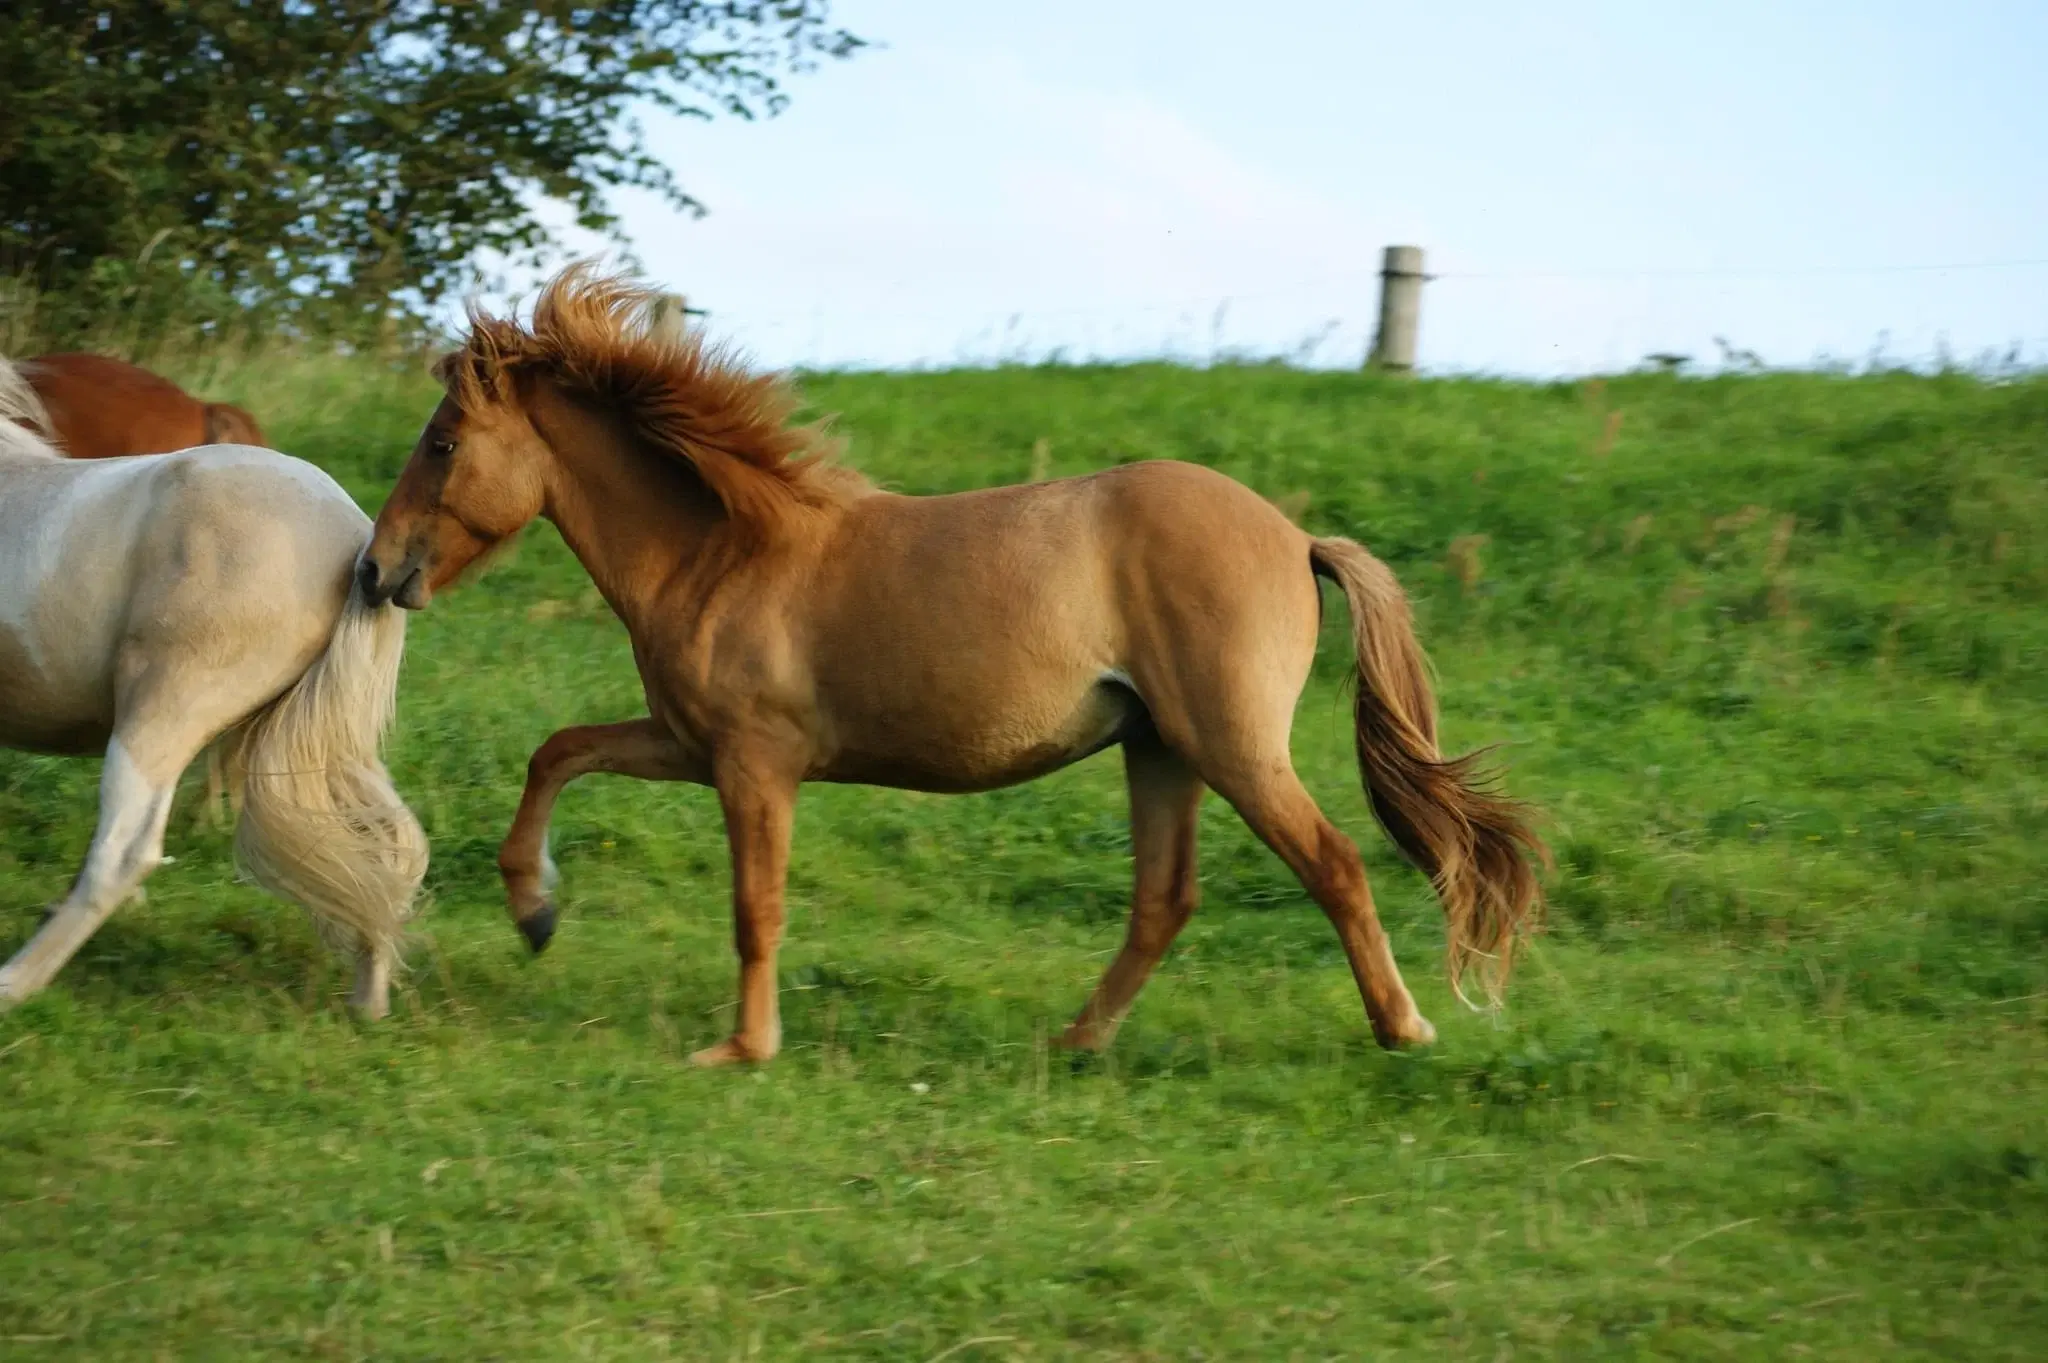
369, 1011
1413, 1034
731, 1051
1079, 1038
538, 928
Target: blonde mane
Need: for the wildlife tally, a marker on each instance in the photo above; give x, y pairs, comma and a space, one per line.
605, 340
24, 425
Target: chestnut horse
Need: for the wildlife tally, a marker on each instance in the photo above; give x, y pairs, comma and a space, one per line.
204, 600
101, 408
793, 623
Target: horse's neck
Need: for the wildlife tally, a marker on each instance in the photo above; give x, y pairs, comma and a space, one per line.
633, 519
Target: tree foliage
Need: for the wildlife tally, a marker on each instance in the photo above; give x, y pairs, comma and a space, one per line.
324, 157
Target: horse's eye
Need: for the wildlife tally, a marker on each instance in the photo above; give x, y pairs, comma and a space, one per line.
440, 447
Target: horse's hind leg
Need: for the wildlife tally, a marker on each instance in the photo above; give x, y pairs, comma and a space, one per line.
1166, 795
1271, 799
166, 712
1231, 725
370, 998
222, 803
135, 800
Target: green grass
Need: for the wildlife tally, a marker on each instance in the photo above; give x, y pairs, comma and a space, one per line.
1771, 1085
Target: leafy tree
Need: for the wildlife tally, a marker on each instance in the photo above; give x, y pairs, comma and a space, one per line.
321, 158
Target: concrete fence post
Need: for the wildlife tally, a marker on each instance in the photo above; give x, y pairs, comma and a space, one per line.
1401, 277
669, 314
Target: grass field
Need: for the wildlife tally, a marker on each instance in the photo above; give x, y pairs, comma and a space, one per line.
1769, 651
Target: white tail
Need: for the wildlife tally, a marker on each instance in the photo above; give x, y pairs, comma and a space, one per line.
320, 821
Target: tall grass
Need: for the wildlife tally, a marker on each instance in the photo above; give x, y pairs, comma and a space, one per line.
1767, 649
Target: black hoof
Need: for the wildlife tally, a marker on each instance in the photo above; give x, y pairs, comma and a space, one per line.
539, 929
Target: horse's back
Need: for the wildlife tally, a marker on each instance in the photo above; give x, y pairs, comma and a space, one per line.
253, 480
1064, 545
1007, 628
234, 490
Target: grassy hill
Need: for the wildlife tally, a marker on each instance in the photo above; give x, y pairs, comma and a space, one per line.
1768, 650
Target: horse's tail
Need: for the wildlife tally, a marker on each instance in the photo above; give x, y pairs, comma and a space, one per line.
1442, 813
320, 821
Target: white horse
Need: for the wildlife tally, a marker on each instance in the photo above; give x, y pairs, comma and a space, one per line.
150, 606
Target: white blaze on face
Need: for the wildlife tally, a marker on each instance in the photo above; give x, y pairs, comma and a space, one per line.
550, 874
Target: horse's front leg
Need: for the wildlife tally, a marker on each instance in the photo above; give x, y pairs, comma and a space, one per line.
639, 748
759, 801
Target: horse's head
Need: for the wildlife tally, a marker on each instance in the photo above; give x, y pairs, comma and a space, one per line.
477, 475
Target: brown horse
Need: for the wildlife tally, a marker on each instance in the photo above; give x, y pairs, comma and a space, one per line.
793, 623
102, 408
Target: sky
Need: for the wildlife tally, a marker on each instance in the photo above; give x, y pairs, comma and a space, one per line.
1812, 182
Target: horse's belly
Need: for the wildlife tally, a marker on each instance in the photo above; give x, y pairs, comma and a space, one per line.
1004, 749
56, 670
42, 713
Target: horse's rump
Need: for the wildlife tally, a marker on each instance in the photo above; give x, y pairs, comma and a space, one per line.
157, 604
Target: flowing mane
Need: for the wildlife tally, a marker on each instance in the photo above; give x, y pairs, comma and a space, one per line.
601, 338
24, 425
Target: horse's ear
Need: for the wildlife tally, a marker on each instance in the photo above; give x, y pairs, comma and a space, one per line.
477, 372
466, 376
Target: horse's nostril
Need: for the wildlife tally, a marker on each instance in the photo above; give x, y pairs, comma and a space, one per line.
411, 594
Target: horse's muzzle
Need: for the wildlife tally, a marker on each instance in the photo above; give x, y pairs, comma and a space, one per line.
370, 581
406, 587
